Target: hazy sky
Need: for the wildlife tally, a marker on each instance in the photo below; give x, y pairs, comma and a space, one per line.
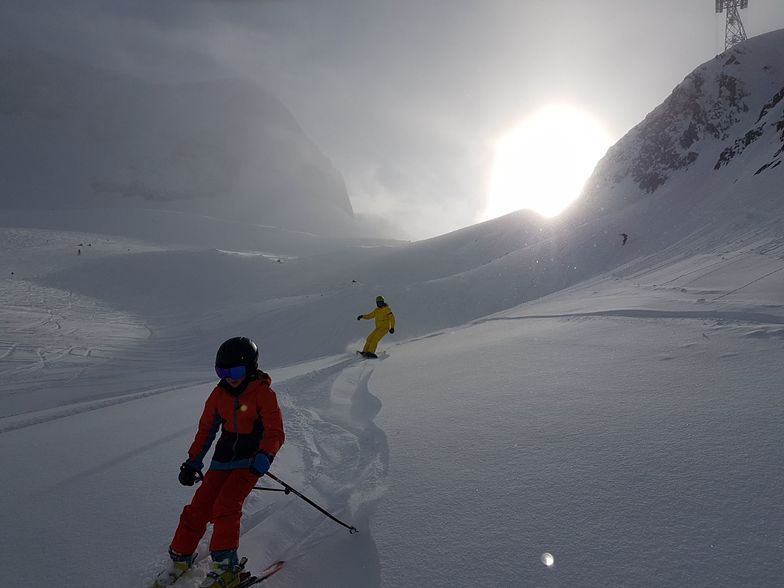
406, 97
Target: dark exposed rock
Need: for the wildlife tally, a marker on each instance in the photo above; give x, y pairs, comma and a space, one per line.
706, 115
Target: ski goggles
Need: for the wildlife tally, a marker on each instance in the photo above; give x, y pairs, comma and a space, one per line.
232, 373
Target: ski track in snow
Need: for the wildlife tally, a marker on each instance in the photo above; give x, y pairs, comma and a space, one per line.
14, 422
49, 338
713, 315
329, 414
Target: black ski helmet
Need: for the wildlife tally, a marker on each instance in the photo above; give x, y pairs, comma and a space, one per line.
238, 351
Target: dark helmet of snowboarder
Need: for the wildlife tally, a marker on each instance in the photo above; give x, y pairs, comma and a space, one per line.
238, 351
380, 301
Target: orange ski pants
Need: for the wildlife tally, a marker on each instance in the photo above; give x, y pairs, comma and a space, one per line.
218, 500
374, 338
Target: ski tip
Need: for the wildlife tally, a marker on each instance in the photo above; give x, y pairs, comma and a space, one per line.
271, 569
261, 576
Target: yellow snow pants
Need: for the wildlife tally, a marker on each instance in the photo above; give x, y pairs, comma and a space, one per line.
373, 339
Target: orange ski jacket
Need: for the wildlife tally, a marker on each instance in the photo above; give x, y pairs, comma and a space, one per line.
249, 419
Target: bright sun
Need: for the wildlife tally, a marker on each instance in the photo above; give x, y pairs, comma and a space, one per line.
544, 161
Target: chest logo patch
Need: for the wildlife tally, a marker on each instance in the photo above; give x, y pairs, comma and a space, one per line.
244, 408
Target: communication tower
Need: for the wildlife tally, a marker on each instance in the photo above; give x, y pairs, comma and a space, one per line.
734, 33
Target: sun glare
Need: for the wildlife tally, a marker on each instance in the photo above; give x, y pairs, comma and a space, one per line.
543, 162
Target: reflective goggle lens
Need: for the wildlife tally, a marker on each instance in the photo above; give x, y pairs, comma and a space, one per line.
233, 373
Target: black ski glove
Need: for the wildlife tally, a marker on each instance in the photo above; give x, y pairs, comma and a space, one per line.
188, 474
392, 330
359, 318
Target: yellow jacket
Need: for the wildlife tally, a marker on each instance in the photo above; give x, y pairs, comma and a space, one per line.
384, 317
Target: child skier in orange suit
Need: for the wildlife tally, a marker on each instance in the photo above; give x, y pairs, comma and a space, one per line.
246, 409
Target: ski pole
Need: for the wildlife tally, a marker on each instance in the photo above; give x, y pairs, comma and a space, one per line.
289, 490
200, 478
271, 489
351, 529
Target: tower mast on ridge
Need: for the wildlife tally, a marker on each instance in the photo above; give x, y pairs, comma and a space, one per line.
734, 33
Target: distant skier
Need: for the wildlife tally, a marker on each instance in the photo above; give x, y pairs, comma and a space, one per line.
385, 323
246, 408
625, 238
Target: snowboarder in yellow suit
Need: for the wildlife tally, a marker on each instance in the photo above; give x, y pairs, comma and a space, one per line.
385, 323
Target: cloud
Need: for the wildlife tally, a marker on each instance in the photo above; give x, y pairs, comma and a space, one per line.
405, 97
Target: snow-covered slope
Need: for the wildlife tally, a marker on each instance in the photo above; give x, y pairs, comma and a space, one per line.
547, 389
630, 426
453, 279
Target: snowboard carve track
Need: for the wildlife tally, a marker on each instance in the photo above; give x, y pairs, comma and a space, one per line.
329, 417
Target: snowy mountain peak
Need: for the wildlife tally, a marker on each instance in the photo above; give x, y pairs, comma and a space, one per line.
724, 110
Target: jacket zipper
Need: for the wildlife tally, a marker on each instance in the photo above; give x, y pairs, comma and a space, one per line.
236, 432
